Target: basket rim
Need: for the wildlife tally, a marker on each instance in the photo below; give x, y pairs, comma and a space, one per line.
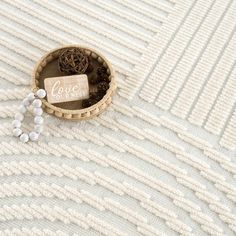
112, 84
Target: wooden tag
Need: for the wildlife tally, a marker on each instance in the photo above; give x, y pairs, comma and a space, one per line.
66, 88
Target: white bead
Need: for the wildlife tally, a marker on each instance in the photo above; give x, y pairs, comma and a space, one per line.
31, 96
19, 116
22, 109
38, 111
41, 93
38, 128
38, 120
37, 103
26, 102
16, 124
17, 132
33, 136
24, 138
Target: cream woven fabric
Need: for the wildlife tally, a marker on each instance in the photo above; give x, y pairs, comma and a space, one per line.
161, 160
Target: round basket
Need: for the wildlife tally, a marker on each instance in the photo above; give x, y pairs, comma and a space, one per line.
47, 67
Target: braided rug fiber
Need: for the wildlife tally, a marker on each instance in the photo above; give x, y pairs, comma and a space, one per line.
161, 160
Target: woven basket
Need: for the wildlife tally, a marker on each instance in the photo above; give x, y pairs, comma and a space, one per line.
44, 68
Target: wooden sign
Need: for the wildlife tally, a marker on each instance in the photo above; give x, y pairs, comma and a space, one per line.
66, 88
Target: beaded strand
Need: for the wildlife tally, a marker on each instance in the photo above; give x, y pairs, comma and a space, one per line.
33, 99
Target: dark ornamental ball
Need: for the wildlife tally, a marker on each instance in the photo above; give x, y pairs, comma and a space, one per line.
102, 87
87, 103
102, 74
96, 96
101, 70
73, 61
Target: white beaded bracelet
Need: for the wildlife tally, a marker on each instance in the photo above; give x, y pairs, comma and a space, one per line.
33, 99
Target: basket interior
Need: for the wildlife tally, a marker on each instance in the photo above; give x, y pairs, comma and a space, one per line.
50, 69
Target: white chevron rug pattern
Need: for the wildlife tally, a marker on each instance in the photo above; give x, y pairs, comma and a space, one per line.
162, 159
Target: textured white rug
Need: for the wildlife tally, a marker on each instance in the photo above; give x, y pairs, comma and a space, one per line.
161, 160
